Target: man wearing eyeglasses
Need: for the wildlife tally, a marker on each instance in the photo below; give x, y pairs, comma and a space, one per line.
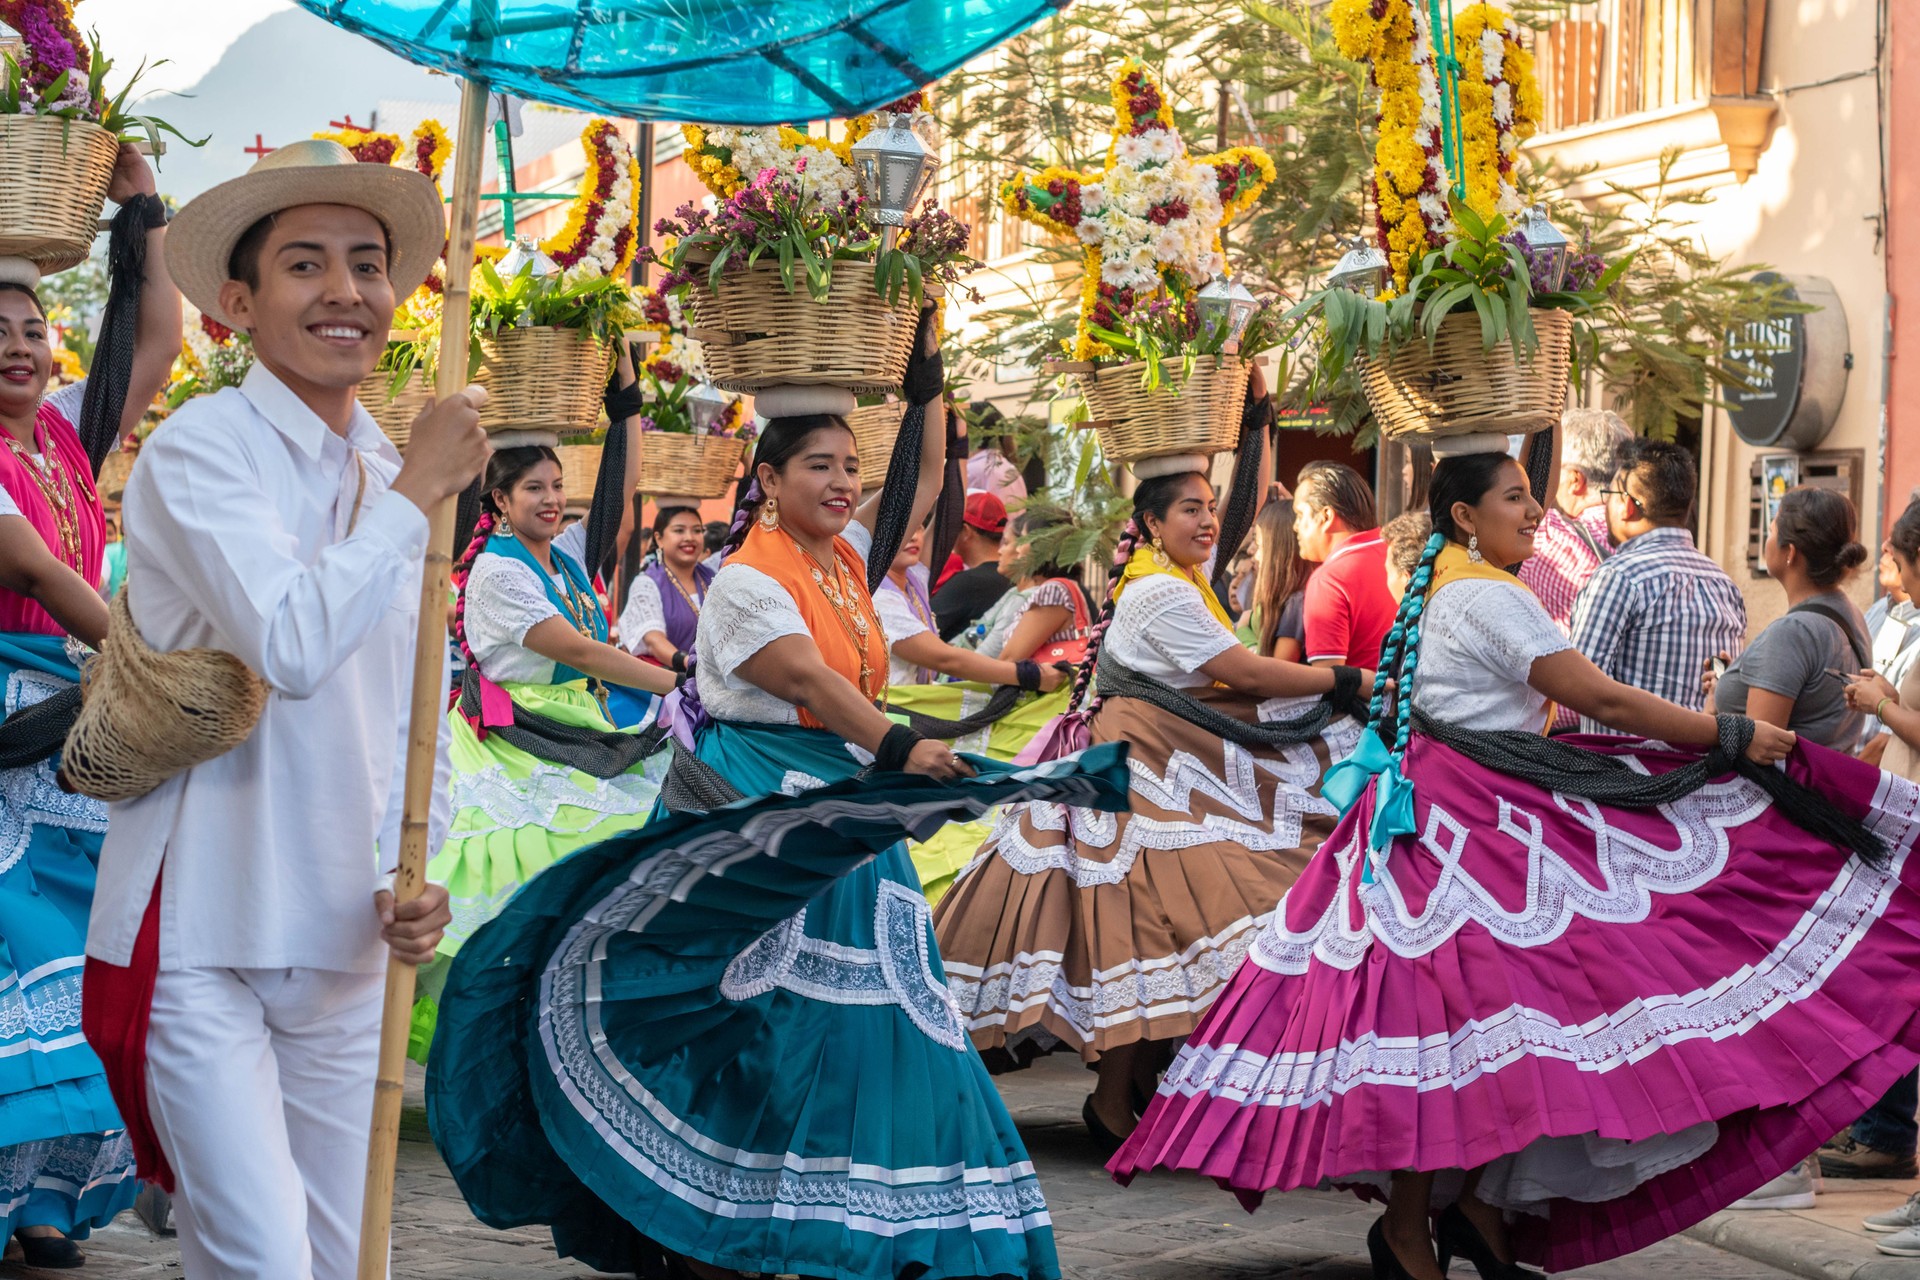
1656, 611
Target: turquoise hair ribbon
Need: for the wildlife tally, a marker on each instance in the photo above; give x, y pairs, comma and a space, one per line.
1347, 781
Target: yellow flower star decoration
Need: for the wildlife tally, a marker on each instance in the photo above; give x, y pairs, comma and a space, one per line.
1149, 222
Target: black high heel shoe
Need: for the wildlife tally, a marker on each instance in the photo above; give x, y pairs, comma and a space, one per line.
1456, 1234
1386, 1263
1104, 1138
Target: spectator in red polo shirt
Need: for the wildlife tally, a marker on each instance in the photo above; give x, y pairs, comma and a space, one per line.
1348, 605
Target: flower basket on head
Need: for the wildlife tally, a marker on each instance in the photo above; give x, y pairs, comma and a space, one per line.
1459, 387
756, 334
53, 182
393, 411
542, 383
875, 428
1195, 412
683, 464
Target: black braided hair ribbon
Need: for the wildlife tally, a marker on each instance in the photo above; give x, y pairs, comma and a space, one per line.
597, 753
105, 400
951, 508
1000, 704
466, 514
1565, 769
1117, 680
921, 386
1243, 491
609, 506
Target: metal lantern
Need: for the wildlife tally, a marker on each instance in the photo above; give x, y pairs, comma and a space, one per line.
1549, 247
705, 405
1362, 269
11, 43
894, 167
525, 258
1222, 299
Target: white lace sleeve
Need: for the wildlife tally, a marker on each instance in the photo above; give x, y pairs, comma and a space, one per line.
896, 614
1162, 628
1478, 643
860, 538
504, 602
745, 612
644, 614
67, 401
1503, 625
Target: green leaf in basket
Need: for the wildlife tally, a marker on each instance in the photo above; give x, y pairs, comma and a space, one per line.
914, 282
1085, 467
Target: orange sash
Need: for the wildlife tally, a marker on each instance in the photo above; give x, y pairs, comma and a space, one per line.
776, 555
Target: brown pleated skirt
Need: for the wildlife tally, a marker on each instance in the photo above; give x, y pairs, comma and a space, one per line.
1095, 930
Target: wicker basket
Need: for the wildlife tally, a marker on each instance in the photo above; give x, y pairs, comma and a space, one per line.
755, 335
579, 468
874, 430
114, 473
53, 182
1196, 414
542, 383
1460, 388
692, 466
395, 413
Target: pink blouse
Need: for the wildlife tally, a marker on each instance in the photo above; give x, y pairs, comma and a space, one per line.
67, 471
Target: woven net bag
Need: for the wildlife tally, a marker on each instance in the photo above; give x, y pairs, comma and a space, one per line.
1193, 413
1459, 387
146, 716
54, 175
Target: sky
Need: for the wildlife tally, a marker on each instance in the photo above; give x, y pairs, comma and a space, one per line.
132, 29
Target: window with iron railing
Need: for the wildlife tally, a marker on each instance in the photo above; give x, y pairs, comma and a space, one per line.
1615, 58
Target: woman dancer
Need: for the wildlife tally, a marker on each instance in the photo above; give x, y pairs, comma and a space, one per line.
1571, 1026
65, 1165
1110, 934
539, 768
915, 652
663, 605
795, 1094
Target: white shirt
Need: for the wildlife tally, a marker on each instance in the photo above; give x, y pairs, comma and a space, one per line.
237, 539
1162, 628
505, 600
645, 614
900, 622
746, 611
1478, 643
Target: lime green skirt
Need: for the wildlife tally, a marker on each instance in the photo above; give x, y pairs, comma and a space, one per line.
942, 858
515, 815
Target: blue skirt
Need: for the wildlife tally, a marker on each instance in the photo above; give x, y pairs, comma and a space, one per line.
730, 1033
65, 1161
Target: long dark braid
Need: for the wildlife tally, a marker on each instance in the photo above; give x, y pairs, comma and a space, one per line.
1130, 539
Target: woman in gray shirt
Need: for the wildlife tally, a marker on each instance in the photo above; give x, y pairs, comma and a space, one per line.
1786, 676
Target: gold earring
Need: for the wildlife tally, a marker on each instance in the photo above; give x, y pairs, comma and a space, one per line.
505, 527
770, 514
1473, 550
1160, 560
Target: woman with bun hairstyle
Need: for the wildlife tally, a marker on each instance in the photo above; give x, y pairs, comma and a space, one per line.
1110, 934
1787, 675
663, 605
770, 1080
539, 768
1552, 1000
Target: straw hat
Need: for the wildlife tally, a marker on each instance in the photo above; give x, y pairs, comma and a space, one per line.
313, 171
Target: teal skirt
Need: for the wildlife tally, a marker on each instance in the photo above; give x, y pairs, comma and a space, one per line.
730, 1034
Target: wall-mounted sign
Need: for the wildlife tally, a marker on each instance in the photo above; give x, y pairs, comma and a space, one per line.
1798, 369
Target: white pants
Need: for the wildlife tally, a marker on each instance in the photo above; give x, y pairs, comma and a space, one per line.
261, 1083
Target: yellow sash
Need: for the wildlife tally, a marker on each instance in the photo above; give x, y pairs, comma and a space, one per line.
1141, 565
1452, 565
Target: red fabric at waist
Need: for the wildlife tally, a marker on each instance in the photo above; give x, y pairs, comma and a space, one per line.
115, 1007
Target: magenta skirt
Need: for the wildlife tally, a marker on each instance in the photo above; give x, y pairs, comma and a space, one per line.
1630, 1017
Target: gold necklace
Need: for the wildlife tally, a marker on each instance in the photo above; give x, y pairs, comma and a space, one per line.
53, 488
846, 610
686, 595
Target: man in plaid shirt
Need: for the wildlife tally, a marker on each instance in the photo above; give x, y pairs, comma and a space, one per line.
1572, 538
1656, 610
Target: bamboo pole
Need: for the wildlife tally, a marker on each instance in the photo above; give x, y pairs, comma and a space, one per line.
429, 696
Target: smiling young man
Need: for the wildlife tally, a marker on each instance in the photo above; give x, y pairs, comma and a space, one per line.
241, 927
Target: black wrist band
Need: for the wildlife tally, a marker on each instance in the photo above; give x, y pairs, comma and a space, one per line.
1027, 675
680, 681
894, 749
679, 660
153, 210
624, 403
1346, 686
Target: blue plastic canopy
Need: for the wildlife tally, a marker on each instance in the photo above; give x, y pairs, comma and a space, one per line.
708, 61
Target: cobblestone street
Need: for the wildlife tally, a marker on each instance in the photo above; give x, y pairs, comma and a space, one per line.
1163, 1228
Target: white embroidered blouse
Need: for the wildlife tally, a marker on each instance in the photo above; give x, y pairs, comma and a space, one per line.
900, 622
505, 600
1478, 643
746, 611
1161, 628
